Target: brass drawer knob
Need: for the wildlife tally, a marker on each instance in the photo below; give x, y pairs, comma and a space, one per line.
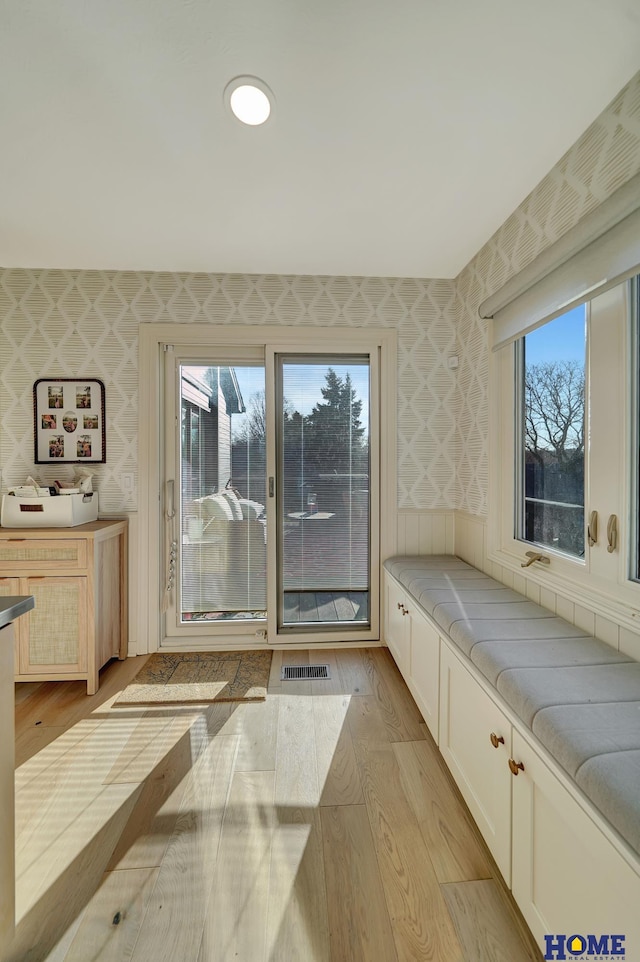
515, 766
496, 740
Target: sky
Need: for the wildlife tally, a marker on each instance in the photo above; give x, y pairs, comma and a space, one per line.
303, 383
562, 339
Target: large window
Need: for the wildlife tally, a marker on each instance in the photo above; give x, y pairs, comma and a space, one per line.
551, 375
567, 443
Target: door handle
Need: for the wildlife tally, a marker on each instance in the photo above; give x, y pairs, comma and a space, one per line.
592, 529
272, 487
612, 533
171, 506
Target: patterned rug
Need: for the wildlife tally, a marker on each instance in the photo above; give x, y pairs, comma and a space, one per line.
191, 676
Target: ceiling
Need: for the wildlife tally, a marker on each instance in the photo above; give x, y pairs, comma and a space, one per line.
403, 134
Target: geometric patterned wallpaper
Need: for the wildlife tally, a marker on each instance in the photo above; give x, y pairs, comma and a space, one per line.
85, 323
72, 323
601, 160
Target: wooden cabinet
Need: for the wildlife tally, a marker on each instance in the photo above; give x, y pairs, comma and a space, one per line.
567, 876
78, 577
475, 741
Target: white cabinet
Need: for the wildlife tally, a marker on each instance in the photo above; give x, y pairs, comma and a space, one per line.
424, 668
475, 741
415, 646
397, 624
567, 876
568, 872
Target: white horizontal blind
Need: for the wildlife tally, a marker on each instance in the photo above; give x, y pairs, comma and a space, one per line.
325, 477
223, 488
600, 252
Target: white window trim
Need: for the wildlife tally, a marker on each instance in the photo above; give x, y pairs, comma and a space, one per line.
611, 594
287, 339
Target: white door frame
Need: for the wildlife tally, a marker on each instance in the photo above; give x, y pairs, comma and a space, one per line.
290, 635
151, 541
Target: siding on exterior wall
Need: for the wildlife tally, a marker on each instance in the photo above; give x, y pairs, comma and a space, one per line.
71, 323
224, 441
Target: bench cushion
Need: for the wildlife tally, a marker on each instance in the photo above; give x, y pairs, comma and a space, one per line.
573, 734
612, 782
527, 690
448, 614
494, 657
466, 634
462, 594
404, 565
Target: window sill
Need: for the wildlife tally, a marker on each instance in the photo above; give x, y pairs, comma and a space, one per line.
619, 603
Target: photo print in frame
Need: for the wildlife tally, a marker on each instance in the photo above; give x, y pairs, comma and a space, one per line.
69, 422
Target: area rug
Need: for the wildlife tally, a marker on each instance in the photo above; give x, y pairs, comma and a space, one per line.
185, 677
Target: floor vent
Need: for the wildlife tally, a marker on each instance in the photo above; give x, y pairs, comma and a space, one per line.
316, 672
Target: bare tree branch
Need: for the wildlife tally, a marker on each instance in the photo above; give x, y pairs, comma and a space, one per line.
554, 411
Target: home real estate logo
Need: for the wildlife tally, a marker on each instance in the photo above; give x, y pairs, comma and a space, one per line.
593, 948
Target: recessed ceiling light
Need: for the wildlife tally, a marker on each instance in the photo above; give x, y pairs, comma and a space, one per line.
250, 100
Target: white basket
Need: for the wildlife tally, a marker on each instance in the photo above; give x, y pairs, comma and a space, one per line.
62, 511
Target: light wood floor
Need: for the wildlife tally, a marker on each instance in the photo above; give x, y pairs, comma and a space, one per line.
318, 826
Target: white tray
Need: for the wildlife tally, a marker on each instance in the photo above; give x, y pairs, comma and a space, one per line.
63, 511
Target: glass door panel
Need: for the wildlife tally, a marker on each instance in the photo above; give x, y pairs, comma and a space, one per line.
221, 513
324, 531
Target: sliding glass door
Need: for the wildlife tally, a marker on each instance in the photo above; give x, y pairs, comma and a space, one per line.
271, 494
222, 521
323, 518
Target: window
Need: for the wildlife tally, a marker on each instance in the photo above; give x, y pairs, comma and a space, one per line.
566, 419
551, 375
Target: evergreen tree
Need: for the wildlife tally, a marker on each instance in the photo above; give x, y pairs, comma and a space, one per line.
333, 441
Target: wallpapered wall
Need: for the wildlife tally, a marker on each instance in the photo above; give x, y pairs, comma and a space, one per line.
85, 323
603, 159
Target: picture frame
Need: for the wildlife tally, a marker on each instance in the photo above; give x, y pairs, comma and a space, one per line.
69, 421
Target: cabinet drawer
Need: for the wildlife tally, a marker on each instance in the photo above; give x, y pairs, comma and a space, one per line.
25, 553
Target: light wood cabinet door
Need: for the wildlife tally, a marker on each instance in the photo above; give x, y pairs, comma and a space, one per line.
468, 720
424, 677
397, 624
54, 636
567, 876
